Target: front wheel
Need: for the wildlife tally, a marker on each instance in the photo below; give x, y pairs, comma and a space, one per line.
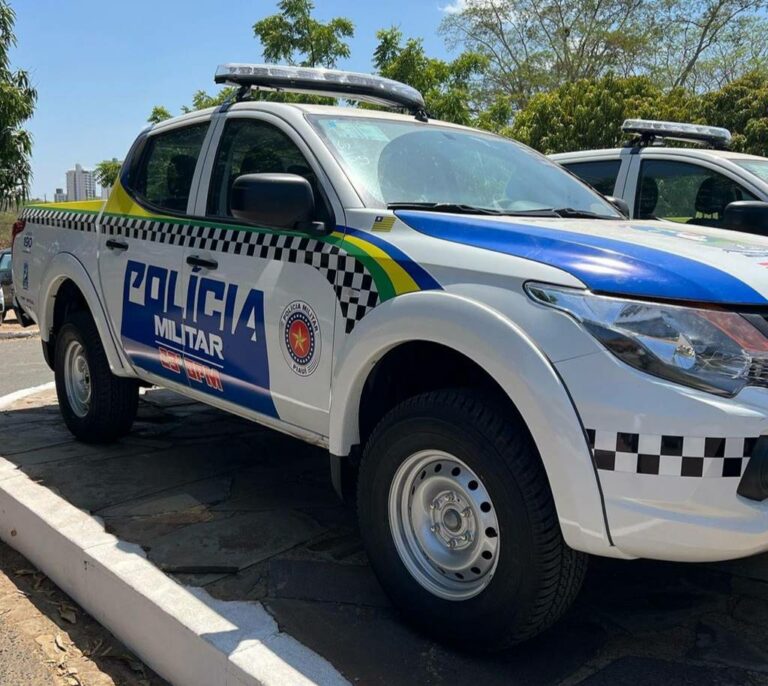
97, 406
459, 522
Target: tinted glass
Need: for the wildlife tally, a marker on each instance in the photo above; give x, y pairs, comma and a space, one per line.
249, 146
164, 177
402, 161
686, 193
5, 261
600, 175
758, 167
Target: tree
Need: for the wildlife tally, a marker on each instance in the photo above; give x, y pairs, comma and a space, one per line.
588, 114
17, 104
536, 45
107, 172
294, 37
158, 114
447, 86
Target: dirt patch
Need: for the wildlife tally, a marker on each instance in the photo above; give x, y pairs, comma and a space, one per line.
45, 638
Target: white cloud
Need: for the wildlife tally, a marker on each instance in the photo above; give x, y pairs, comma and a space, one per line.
454, 7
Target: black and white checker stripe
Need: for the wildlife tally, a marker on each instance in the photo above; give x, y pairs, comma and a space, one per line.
61, 219
666, 455
352, 282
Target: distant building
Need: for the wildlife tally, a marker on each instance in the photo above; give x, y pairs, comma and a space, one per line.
80, 184
105, 192
59, 195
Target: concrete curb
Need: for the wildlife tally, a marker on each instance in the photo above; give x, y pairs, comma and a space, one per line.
13, 335
185, 635
11, 398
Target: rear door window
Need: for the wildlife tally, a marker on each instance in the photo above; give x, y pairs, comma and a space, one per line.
5, 261
164, 177
685, 192
600, 174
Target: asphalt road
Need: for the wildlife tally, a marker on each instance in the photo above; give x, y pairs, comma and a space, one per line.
21, 362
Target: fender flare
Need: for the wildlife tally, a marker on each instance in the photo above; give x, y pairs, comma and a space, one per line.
65, 266
490, 339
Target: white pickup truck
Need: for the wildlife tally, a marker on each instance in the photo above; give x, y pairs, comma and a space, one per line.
511, 373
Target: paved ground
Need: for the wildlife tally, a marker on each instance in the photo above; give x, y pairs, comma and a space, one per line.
21, 359
249, 514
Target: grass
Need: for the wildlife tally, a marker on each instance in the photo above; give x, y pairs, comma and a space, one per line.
6, 222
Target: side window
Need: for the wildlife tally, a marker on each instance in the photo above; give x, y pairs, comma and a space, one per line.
601, 175
249, 146
5, 261
164, 176
685, 193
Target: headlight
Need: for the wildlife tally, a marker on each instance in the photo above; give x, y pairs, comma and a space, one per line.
712, 350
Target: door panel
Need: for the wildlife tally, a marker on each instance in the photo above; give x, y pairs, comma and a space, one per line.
141, 252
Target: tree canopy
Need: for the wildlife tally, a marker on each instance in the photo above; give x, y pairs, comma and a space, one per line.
107, 171
17, 104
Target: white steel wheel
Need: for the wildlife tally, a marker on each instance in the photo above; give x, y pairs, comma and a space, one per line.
77, 378
444, 525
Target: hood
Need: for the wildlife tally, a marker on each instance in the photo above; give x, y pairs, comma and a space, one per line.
647, 259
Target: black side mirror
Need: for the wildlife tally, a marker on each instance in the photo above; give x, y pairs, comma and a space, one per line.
283, 201
619, 203
749, 216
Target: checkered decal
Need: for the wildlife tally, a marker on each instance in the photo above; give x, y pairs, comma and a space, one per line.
61, 219
352, 282
695, 456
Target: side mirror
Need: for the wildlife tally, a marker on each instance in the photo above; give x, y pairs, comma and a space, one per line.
284, 201
749, 216
619, 203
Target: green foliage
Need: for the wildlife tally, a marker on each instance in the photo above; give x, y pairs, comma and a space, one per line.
292, 36
158, 114
106, 172
17, 103
588, 114
741, 107
447, 86
6, 222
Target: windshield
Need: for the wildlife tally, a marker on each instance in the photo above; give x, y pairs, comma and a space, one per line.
401, 162
758, 167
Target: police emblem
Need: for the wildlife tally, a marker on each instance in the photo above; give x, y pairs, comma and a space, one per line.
301, 338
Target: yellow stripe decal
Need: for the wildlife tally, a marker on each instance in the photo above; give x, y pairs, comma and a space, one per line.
401, 280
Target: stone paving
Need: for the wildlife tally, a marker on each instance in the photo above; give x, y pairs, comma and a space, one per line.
250, 515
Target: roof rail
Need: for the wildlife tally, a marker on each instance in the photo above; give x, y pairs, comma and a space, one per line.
317, 81
649, 131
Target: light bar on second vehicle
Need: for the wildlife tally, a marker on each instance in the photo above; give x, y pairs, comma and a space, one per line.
650, 129
329, 82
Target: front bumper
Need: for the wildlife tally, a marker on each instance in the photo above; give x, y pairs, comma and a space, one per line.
670, 461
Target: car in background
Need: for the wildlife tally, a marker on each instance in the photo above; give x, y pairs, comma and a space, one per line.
6, 283
708, 185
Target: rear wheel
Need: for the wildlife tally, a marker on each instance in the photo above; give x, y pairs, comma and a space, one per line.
97, 406
460, 525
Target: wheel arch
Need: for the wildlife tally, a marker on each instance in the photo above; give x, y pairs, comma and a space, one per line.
68, 285
471, 331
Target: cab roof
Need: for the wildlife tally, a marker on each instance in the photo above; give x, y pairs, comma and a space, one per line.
701, 153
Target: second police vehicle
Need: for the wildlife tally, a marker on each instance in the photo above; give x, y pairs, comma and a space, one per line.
510, 373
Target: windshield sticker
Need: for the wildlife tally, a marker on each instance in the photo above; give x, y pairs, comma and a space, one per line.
356, 130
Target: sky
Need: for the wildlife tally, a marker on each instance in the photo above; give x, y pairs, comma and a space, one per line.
100, 66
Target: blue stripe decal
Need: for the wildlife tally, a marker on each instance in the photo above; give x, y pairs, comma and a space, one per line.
420, 275
605, 265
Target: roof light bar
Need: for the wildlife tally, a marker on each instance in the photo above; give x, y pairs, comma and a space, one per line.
650, 129
328, 82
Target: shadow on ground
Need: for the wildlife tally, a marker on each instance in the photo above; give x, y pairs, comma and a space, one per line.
249, 514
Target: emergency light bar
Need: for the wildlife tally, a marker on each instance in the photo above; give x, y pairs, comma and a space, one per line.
650, 130
329, 82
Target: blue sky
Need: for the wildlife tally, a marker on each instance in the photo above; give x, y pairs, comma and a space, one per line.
100, 66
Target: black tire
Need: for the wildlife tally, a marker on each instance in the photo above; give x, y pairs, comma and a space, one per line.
2, 316
114, 400
537, 575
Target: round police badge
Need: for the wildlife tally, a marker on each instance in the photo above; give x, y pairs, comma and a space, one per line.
301, 337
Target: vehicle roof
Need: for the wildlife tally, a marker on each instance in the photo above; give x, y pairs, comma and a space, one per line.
278, 107
701, 153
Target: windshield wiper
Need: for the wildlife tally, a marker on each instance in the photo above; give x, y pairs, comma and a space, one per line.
570, 213
441, 207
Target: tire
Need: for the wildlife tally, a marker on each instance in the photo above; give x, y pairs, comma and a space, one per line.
531, 576
97, 406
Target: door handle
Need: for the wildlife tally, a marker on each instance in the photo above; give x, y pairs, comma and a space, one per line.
201, 262
112, 244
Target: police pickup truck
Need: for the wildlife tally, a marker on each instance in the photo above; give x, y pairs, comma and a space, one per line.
707, 184
512, 373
